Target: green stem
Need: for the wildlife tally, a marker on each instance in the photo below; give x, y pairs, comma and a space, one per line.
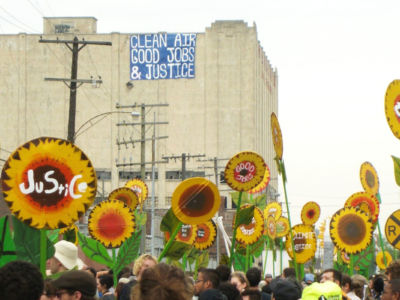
184, 261
171, 240
247, 257
43, 251
266, 256
281, 254
282, 165
114, 255
235, 229
380, 234
351, 265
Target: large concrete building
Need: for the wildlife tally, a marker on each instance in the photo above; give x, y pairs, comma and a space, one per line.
216, 104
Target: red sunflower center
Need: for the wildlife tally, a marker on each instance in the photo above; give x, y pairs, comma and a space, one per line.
310, 213
185, 233
111, 225
203, 233
245, 171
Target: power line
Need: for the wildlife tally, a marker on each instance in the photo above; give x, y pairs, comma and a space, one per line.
13, 17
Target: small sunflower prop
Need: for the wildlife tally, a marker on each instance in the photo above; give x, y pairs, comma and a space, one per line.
380, 262
139, 187
273, 209
351, 230
111, 222
245, 171
282, 227
126, 195
271, 227
305, 243
48, 183
195, 200
392, 107
263, 184
187, 234
249, 234
369, 178
276, 136
366, 202
345, 257
206, 234
310, 213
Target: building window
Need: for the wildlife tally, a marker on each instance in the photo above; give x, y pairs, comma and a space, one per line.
136, 174
188, 174
103, 175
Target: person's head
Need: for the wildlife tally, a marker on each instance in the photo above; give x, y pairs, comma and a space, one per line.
49, 292
20, 280
391, 290
251, 294
229, 290
105, 282
285, 289
143, 262
206, 279
309, 278
90, 270
331, 275
223, 272
378, 284
75, 285
163, 282
289, 273
65, 257
253, 275
239, 280
326, 290
268, 278
358, 282
393, 270
346, 283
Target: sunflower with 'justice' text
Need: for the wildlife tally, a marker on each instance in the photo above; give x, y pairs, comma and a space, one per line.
48, 183
380, 262
351, 230
206, 234
276, 136
263, 184
126, 195
366, 202
195, 200
245, 171
111, 222
139, 187
187, 234
249, 234
369, 178
392, 107
305, 243
310, 213
273, 209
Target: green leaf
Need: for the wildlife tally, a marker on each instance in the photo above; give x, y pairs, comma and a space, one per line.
261, 201
27, 243
176, 263
396, 162
203, 259
235, 198
239, 262
128, 252
193, 255
7, 246
245, 215
254, 249
52, 235
177, 250
140, 219
169, 222
95, 250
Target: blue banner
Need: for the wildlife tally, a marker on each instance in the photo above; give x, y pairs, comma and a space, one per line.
162, 56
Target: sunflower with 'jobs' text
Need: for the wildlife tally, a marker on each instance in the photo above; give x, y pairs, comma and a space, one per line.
187, 234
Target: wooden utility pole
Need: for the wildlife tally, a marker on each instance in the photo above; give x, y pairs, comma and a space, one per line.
74, 81
183, 158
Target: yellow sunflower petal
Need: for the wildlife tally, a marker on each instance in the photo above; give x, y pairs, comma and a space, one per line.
305, 243
244, 171
139, 187
361, 198
111, 223
249, 234
380, 262
392, 107
48, 183
369, 178
282, 227
263, 184
310, 213
276, 136
126, 195
273, 209
351, 230
195, 200
187, 234
206, 234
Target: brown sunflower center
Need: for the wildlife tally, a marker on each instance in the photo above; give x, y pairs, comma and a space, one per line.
124, 198
196, 200
351, 229
111, 225
370, 179
310, 213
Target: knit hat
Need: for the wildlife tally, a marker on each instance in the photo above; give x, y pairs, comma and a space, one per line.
329, 290
285, 289
67, 254
77, 280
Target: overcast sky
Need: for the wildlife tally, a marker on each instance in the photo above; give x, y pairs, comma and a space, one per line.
335, 60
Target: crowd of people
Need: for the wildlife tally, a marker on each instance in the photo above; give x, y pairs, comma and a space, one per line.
69, 279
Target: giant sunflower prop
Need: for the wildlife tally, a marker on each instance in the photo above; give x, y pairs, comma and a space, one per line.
310, 213
249, 234
206, 234
126, 195
270, 227
195, 200
48, 183
380, 262
276, 136
263, 184
187, 234
282, 227
305, 243
369, 178
351, 230
273, 209
111, 223
362, 199
139, 187
245, 171
392, 107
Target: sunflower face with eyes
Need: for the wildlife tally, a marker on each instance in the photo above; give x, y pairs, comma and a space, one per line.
205, 235
249, 234
139, 187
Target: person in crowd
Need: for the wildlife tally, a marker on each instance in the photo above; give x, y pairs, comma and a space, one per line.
253, 276
230, 291
163, 282
207, 279
20, 280
393, 270
65, 258
75, 285
289, 273
224, 272
90, 270
358, 287
347, 288
49, 292
251, 294
322, 291
308, 279
239, 280
378, 285
391, 290
285, 289
104, 284
334, 276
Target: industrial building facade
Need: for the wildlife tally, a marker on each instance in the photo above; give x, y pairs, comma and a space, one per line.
216, 105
